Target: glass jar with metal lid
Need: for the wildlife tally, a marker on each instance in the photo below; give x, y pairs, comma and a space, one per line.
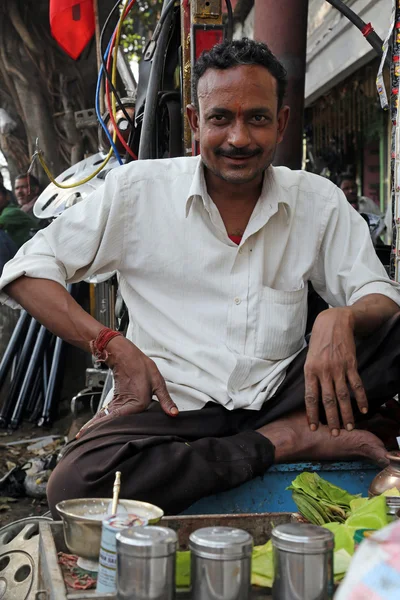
303, 562
146, 559
220, 563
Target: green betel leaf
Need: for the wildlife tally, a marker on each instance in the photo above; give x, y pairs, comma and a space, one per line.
333, 493
309, 508
371, 515
182, 569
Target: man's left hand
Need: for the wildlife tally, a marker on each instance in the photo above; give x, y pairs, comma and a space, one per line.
330, 369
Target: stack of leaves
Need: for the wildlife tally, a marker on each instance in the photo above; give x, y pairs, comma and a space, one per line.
319, 501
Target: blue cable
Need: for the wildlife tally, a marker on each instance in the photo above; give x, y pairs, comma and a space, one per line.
97, 107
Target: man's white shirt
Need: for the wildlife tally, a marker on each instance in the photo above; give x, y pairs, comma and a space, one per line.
222, 322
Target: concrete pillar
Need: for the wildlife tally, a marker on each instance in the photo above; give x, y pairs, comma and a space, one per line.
283, 27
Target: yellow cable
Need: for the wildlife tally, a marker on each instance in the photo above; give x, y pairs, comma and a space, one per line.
39, 154
72, 185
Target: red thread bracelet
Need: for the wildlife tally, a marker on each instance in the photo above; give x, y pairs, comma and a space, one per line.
98, 346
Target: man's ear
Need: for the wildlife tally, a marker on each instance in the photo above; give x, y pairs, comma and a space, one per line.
194, 120
283, 119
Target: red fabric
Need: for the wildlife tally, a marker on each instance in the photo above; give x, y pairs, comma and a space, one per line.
236, 239
72, 24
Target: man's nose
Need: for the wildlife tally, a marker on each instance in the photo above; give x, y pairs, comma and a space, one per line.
239, 135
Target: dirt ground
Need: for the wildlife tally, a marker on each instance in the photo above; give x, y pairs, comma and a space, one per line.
12, 509
64, 426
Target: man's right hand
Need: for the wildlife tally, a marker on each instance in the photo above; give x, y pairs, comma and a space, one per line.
136, 380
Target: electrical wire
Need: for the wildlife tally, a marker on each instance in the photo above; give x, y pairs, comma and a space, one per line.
112, 105
98, 112
368, 32
103, 60
39, 154
229, 29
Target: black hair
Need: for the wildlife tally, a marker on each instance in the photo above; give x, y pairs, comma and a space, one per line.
33, 182
3, 190
240, 52
345, 177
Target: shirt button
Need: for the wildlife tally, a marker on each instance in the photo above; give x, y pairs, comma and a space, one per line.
241, 250
237, 300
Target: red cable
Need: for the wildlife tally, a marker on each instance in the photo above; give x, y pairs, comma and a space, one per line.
108, 99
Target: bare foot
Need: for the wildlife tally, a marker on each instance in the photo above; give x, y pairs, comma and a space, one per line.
294, 441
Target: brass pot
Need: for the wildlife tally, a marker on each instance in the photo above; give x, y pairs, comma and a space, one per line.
82, 530
389, 477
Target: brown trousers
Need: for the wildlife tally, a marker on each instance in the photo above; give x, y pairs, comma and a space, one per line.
172, 462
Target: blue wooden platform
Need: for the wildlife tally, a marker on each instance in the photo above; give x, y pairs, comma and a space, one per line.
268, 493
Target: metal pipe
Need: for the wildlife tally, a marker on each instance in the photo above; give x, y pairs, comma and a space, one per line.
52, 383
54, 376
13, 345
16, 382
125, 73
34, 395
28, 380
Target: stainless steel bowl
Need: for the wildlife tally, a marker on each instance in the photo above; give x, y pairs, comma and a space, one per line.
82, 531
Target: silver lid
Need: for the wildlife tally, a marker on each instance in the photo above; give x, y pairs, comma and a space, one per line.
393, 500
149, 542
221, 543
302, 538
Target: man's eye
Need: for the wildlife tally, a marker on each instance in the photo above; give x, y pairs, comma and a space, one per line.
260, 118
218, 118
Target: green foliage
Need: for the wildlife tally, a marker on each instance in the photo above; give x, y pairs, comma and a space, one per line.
139, 26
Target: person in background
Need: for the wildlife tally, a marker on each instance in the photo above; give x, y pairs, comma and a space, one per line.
18, 225
362, 204
27, 189
367, 208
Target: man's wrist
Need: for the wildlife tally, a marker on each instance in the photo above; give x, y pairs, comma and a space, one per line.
346, 313
99, 345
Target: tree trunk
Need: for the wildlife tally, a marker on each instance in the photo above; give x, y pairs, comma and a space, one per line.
41, 88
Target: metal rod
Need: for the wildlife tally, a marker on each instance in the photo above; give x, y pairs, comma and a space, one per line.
125, 73
34, 395
7, 407
29, 378
13, 345
52, 383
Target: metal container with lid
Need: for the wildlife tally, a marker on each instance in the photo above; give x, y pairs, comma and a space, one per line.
303, 562
146, 559
220, 563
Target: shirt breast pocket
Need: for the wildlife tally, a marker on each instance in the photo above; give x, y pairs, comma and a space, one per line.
281, 324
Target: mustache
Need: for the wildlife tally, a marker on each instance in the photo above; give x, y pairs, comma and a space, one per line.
238, 152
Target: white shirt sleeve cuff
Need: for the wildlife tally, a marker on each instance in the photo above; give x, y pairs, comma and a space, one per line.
389, 289
37, 267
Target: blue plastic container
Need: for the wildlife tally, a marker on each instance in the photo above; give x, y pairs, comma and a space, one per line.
268, 493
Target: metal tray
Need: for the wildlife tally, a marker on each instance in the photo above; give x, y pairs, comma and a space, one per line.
51, 583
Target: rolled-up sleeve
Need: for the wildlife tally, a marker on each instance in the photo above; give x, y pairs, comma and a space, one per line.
86, 239
347, 267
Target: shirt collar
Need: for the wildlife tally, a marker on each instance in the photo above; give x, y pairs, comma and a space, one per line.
270, 199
